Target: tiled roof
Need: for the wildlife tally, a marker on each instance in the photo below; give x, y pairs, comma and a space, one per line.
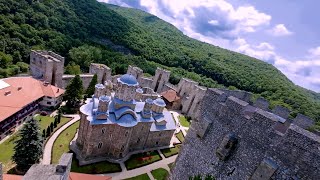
21, 92
170, 95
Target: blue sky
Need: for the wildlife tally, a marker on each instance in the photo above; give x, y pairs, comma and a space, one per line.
283, 33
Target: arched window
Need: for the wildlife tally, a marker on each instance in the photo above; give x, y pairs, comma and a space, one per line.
138, 140
126, 134
103, 130
99, 145
122, 148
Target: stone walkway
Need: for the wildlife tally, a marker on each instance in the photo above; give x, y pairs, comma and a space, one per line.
144, 169
48, 147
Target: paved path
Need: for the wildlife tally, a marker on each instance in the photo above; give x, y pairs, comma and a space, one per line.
48, 147
144, 169
179, 126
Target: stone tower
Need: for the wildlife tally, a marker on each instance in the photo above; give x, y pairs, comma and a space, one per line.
135, 71
160, 79
47, 66
103, 72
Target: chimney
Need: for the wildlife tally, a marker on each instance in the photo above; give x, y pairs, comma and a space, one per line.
58, 90
7, 93
19, 88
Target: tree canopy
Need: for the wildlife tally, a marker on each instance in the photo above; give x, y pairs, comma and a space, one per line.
74, 92
28, 148
91, 88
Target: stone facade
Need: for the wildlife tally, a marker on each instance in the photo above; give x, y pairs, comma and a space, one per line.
47, 66
160, 79
113, 126
233, 140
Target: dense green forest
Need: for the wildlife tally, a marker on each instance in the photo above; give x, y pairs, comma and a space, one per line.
85, 31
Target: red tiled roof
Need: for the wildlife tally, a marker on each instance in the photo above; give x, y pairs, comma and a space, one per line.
170, 95
23, 91
72, 176
12, 177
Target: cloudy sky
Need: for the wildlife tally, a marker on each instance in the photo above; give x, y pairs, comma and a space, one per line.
284, 33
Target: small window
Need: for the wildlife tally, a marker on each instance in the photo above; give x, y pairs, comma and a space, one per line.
122, 148
99, 145
49, 103
103, 130
138, 140
126, 134
157, 143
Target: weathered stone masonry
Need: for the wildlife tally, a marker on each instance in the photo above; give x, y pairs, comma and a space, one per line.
234, 140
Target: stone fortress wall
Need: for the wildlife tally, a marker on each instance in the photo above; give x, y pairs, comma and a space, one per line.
48, 66
232, 139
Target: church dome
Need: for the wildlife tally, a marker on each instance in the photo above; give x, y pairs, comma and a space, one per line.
159, 102
129, 80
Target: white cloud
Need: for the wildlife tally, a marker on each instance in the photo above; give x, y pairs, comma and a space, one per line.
315, 52
214, 22
280, 30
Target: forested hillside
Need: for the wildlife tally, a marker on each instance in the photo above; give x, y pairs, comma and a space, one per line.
85, 31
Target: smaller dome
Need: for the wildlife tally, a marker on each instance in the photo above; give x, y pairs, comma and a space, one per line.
105, 98
99, 86
149, 101
128, 79
159, 102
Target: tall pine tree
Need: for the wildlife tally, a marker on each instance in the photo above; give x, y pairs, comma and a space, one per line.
28, 148
74, 92
91, 87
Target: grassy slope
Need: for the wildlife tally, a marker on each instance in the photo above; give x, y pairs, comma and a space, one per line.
228, 68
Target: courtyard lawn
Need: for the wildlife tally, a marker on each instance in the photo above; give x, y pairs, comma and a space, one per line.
6, 148
171, 151
180, 136
45, 121
6, 152
184, 121
160, 174
61, 144
140, 177
142, 159
96, 168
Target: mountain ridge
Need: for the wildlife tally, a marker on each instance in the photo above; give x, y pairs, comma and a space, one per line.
62, 26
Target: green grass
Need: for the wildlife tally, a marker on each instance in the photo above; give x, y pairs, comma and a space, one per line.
96, 168
45, 121
180, 137
61, 144
171, 151
140, 177
7, 151
160, 174
135, 160
7, 146
184, 121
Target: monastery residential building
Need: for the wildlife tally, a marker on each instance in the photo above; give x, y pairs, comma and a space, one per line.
21, 98
113, 125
